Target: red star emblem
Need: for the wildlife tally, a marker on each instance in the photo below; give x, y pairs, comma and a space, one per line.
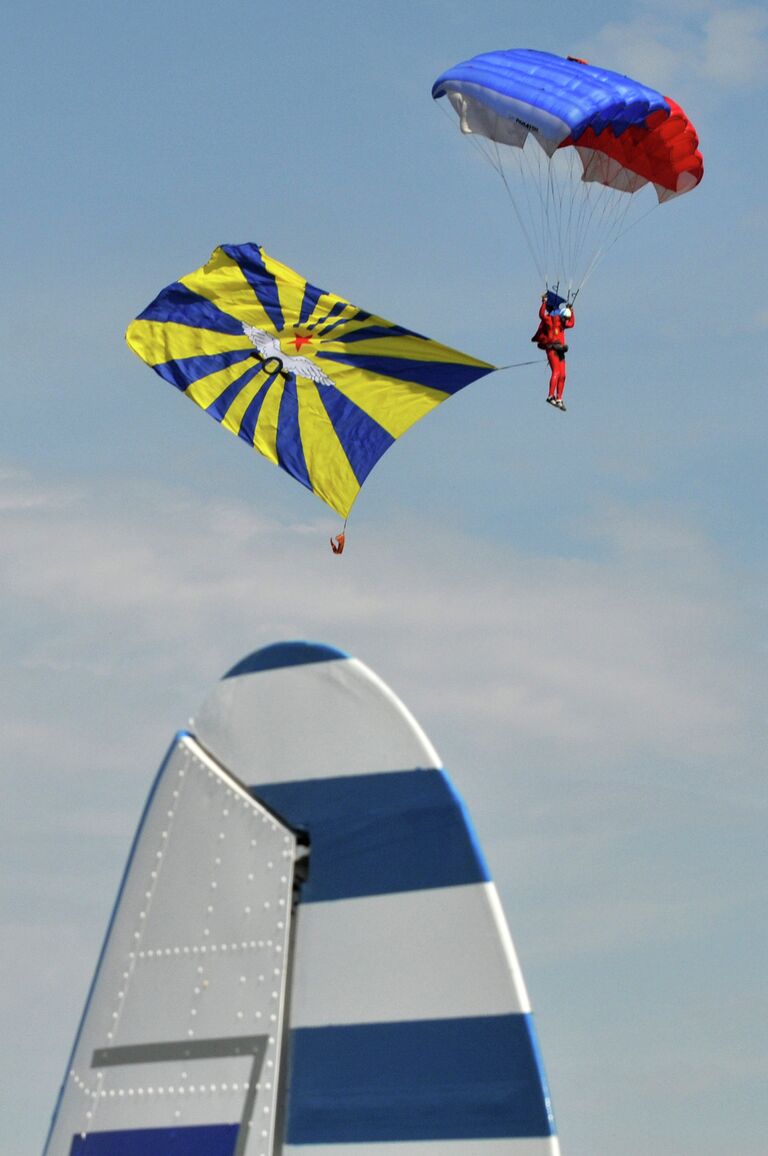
299, 339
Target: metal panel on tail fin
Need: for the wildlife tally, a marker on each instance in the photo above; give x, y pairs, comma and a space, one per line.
178, 1048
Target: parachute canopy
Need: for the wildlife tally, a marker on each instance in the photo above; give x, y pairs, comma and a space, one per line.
591, 127
318, 386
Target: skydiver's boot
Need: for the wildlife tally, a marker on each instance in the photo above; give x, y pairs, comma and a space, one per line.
560, 404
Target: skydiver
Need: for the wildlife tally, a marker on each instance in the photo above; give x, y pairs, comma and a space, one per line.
550, 336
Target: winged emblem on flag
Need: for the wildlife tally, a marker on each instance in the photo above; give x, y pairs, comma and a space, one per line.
269, 347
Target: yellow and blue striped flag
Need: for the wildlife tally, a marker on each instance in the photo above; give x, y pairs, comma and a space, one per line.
318, 386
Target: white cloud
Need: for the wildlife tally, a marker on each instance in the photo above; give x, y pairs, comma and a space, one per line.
676, 43
16, 494
638, 654
645, 47
735, 49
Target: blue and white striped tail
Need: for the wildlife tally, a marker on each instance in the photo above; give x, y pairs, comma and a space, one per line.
385, 1008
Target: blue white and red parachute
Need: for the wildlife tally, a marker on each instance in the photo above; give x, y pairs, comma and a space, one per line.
573, 144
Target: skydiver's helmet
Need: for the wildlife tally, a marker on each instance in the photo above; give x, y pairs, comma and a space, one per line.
565, 312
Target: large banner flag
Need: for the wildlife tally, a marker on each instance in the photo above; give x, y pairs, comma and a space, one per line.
315, 384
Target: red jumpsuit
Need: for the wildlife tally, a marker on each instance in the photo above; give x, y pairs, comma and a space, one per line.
550, 336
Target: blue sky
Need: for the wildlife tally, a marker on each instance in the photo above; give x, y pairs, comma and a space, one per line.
572, 605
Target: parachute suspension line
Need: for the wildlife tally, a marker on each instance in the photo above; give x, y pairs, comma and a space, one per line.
588, 207
553, 201
604, 211
569, 224
539, 179
499, 167
587, 217
482, 147
614, 205
583, 216
531, 180
591, 217
612, 215
577, 227
598, 257
489, 151
567, 238
533, 162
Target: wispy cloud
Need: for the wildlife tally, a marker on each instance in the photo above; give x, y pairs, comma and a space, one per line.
638, 652
16, 494
734, 52
680, 42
